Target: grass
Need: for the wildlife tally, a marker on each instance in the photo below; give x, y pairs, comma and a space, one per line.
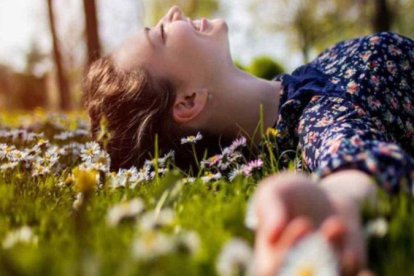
183, 224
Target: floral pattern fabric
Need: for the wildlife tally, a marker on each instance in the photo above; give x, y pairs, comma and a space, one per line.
353, 107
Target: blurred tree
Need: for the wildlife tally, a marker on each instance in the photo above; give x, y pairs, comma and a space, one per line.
92, 35
382, 18
265, 67
317, 24
63, 85
155, 9
389, 15
312, 25
404, 19
33, 58
21, 91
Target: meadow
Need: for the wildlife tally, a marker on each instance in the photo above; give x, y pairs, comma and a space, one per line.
62, 212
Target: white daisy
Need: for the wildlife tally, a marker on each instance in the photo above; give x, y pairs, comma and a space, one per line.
152, 244
377, 228
190, 179
74, 148
90, 150
81, 132
126, 177
227, 159
192, 139
40, 170
211, 177
6, 150
151, 220
125, 210
167, 157
186, 180
240, 142
35, 151
100, 162
235, 172
161, 172
31, 136
144, 174
51, 155
78, 201
251, 220
65, 135
3, 134
42, 143
252, 165
18, 155
188, 240
211, 161
312, 255
8, 166
21, 235
235, 258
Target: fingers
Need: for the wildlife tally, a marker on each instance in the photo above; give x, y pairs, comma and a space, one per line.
346, 243
269, 256
350, 263
270, 211
296, 230
334, 230
273, 220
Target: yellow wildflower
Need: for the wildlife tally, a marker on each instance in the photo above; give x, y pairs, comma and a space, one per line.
272, 132
86, 181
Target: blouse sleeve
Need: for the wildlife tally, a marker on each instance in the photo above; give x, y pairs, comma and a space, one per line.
335, 134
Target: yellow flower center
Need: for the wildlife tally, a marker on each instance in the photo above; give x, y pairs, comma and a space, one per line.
306, 271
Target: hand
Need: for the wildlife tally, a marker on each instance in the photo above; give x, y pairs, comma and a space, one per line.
289, 206
348, 189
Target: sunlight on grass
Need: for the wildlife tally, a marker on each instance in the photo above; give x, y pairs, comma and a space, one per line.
64, 213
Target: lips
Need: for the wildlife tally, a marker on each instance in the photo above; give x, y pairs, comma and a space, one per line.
200, 25
204, 25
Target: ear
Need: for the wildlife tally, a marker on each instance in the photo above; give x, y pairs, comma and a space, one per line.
189, 105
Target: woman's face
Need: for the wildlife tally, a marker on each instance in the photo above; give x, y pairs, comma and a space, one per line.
178, 48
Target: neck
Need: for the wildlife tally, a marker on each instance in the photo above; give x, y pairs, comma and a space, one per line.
237, 100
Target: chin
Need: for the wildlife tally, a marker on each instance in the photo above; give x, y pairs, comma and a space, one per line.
222, 25
219, 25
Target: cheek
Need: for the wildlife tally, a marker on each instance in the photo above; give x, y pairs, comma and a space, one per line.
183, 40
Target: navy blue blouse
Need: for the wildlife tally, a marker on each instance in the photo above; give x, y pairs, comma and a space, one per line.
298, 88
353, 106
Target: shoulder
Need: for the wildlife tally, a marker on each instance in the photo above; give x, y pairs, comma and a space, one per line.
387, 45
388, 41
352, 48
388, 37
380, 39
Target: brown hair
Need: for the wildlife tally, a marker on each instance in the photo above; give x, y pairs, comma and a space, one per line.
137, 106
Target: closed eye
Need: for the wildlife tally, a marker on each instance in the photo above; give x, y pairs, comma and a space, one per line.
162, 32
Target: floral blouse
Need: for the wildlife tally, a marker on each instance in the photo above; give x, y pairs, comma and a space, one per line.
352, 107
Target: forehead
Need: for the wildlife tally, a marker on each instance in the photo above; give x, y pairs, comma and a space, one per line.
134, 51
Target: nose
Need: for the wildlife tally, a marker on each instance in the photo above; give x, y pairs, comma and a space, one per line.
174, 13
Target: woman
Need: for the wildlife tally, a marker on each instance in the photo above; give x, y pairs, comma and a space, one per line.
350, 111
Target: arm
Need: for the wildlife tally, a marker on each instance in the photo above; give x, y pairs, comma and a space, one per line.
351, 185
